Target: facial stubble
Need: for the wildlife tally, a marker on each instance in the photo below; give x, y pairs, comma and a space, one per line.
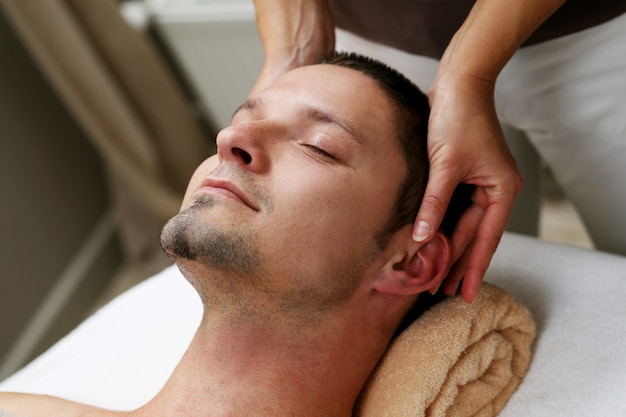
235, 252
186, 237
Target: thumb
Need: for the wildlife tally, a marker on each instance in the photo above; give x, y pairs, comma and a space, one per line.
434, 205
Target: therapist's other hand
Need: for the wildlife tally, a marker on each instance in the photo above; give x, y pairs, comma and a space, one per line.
466, 145
294, 33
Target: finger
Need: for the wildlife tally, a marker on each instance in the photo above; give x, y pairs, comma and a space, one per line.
455, 276
465, 230
471, 287
484, 246
461, 244
434, 204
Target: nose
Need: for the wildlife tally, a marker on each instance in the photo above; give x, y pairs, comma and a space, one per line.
246, 144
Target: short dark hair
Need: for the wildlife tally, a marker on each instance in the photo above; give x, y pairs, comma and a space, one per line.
412, 113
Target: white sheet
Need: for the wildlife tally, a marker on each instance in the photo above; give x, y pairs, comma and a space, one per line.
121, 356
578, 300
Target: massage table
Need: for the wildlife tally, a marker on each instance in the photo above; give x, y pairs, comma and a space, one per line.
121, 356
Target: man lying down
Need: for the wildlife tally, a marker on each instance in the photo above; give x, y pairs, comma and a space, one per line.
297, 237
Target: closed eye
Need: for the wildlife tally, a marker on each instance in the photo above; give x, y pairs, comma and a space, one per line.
320, 151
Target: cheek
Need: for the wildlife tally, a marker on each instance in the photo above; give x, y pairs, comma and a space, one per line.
198, 176
322, 216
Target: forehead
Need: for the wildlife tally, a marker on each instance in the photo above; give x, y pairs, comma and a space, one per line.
343, 89
350, 98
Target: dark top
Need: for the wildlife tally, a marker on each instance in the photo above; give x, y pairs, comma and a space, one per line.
425, 27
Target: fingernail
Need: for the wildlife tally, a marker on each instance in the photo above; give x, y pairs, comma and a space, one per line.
421, 231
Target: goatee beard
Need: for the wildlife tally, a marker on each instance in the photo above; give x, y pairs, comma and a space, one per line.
186, 237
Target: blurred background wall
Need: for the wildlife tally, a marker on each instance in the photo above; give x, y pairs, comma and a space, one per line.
54, 201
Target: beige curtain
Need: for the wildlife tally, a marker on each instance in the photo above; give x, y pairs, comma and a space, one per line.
119, 90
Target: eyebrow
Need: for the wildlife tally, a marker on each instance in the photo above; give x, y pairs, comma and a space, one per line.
310, 112
248, 105
318, 115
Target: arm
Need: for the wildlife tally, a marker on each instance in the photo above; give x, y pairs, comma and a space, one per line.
43, 405
293, 33
466, 144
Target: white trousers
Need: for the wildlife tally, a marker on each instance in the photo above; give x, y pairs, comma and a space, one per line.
568, 96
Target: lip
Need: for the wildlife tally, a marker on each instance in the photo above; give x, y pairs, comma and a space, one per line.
227, 189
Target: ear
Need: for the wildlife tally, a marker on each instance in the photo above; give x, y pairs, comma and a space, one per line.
414, 267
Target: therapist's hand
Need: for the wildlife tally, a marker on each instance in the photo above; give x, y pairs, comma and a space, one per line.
466, 145
465, 141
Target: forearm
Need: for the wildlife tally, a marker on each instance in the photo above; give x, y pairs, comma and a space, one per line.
294, 32
490, 35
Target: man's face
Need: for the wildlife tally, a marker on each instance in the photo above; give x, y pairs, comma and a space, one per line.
308, 173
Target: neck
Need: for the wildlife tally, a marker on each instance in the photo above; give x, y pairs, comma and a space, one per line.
238, 365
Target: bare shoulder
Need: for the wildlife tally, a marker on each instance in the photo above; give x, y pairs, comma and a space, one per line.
29, 405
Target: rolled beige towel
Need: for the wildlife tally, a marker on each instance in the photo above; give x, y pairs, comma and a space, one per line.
456, 359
